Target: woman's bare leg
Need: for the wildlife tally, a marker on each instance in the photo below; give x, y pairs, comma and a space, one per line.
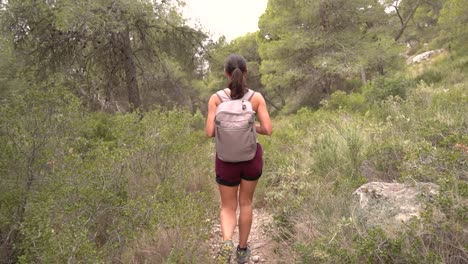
228, 210
246, 193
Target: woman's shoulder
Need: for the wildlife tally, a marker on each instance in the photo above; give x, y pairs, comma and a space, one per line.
214, 96
257, 96
221, 95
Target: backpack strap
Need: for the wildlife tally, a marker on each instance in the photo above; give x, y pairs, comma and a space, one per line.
224, 95
248, 95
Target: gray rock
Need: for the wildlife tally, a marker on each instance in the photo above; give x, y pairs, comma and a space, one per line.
389, 205
423, 56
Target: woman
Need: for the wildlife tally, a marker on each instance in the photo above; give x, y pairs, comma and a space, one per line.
237, 181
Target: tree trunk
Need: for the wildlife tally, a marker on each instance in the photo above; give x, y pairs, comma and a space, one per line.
134, 99
408, 18
363, 76
380, 67
14, 236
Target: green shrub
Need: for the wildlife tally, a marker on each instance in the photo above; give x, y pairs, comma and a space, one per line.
427, 240
384, 161
437, 114
34, 126
337, 150
391, 106
96, 185
341, 100
430, 76
383, 87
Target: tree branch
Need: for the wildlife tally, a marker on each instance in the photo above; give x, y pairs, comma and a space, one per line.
408, 18
398, 14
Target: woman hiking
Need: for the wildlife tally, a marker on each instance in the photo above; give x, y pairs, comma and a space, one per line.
239, 159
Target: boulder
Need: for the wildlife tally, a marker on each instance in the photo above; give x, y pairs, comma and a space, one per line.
389, 205
423, 56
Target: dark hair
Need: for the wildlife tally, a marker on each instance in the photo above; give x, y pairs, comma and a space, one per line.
236, 66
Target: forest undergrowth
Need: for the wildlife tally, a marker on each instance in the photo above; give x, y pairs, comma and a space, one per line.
411, 128
94, 187
104, 158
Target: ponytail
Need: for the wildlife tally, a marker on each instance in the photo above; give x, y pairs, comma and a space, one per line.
236, 66
237, 84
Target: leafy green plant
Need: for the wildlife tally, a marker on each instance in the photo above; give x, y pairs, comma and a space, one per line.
430, 76
385, 160
341, 100
382, 87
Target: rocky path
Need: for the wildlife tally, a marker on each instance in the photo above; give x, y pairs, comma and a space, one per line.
259, 239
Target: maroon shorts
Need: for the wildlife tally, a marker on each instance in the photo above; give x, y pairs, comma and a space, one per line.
231, 173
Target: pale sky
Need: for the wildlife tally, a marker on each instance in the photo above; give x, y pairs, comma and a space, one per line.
231, 18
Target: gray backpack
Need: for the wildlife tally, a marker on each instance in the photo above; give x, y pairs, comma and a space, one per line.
235, 128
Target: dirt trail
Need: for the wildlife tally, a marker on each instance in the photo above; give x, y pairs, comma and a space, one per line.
259, 240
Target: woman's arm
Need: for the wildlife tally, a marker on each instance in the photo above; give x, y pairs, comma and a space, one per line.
264, 127
210, 118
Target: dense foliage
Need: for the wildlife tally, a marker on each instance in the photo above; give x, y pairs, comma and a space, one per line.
116, 55
103, 157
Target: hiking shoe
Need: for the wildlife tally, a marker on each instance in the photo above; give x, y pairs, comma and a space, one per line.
224, 254
242, 256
